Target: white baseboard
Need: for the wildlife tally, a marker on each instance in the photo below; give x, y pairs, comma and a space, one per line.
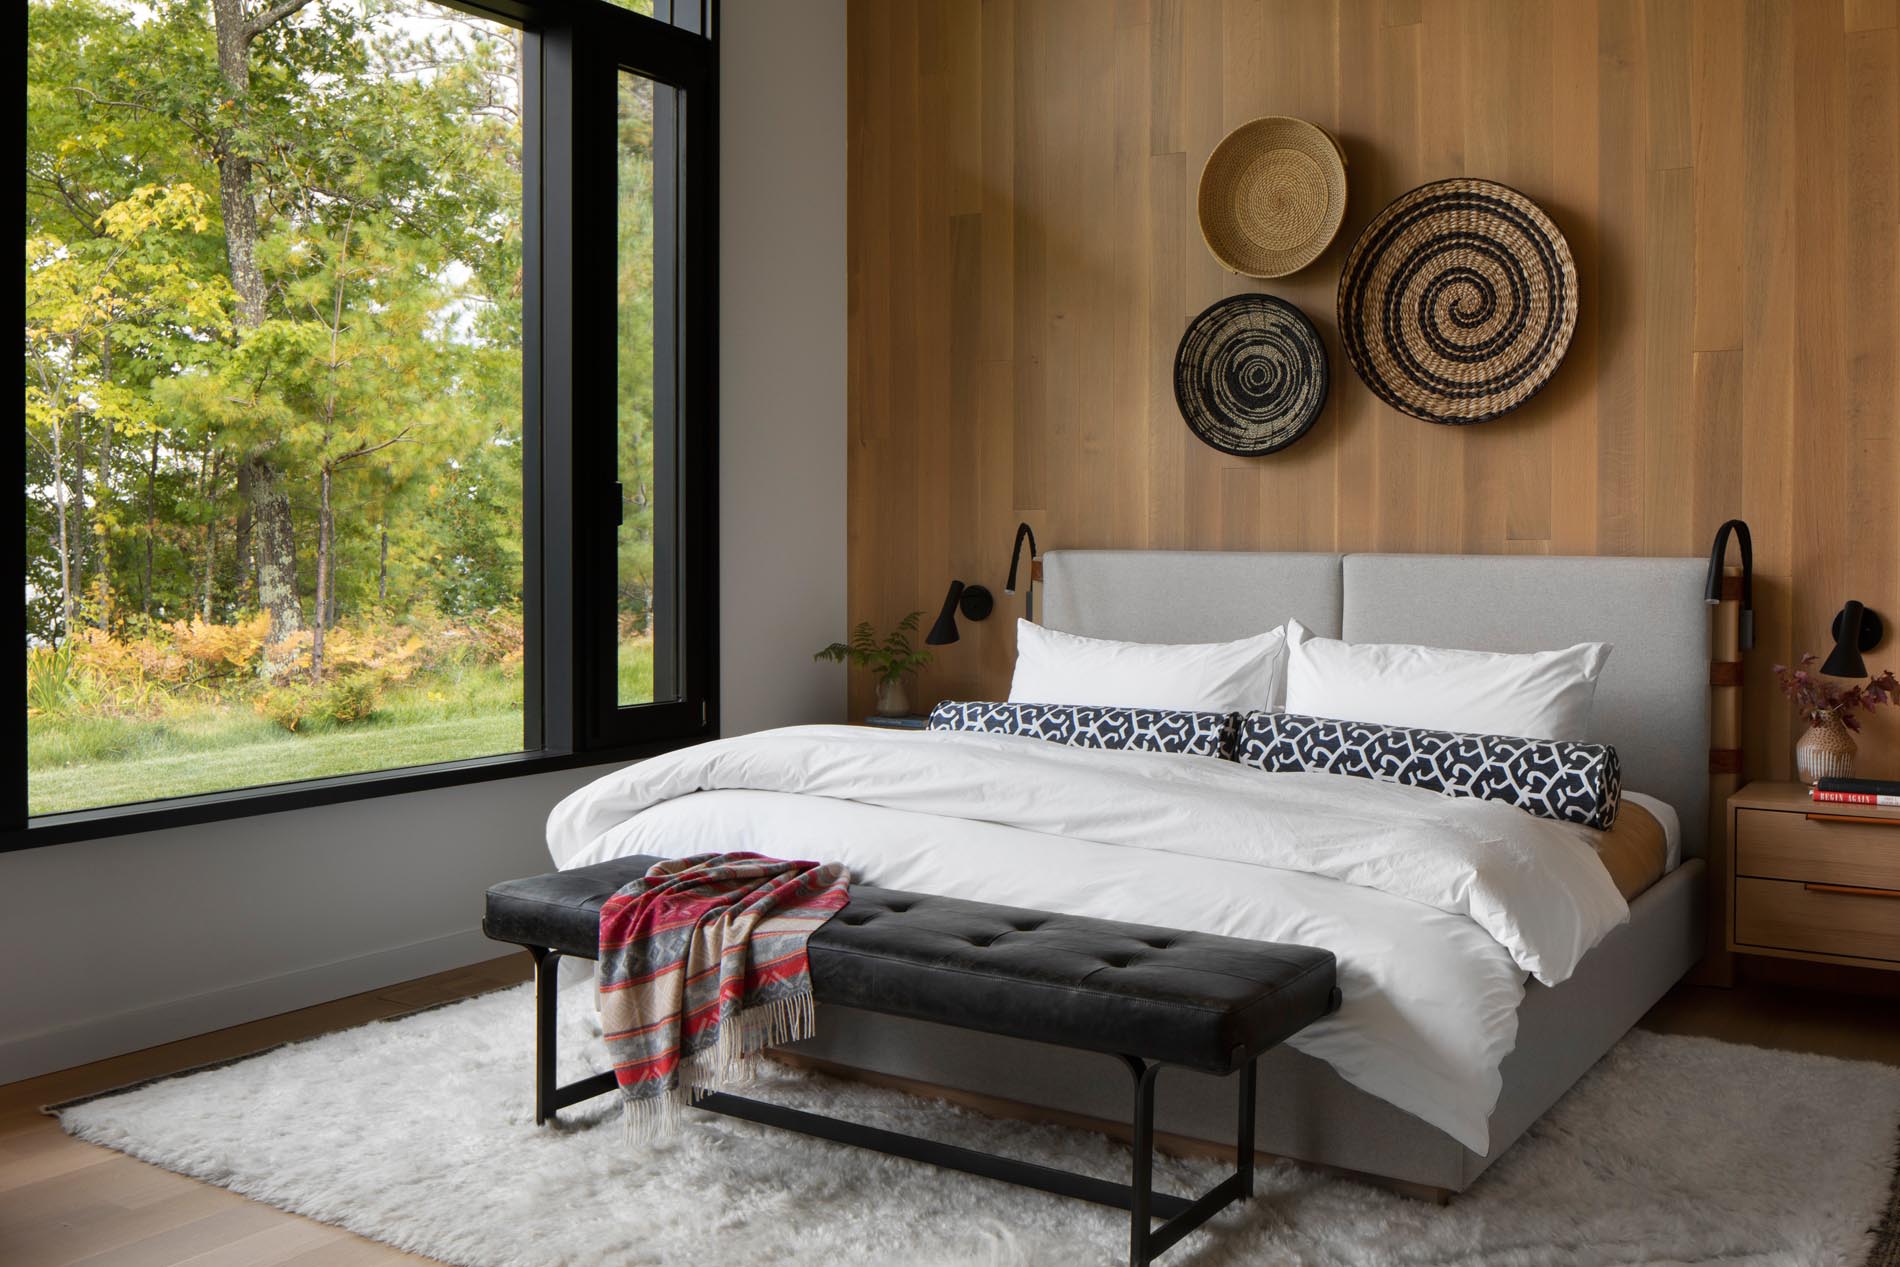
80, 1043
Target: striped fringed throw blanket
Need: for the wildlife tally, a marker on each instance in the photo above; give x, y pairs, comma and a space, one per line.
702, 964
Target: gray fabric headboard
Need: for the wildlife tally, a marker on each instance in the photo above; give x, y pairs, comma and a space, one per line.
1652, 701
1187, 595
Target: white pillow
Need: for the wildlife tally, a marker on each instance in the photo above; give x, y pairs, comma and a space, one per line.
1053, 667
1536, 695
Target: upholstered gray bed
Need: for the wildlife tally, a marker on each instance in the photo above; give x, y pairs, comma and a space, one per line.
1652, 703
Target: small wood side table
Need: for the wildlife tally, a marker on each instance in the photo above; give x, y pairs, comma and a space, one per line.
1813, 880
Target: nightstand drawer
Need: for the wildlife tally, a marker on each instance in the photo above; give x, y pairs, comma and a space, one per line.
1783, 846
1785, 915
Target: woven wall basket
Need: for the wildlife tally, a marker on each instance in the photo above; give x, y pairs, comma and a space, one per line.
1458, 301
1272, 196
1250, 375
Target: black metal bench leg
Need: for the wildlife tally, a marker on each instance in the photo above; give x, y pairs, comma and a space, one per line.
1144, 1205
1145, 1241
1243, 1136
550, 1097
546, 1016
1141, 1184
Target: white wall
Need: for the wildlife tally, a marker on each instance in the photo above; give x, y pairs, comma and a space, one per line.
116, 944
782, 358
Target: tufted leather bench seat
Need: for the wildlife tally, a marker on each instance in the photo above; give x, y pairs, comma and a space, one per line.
1150, 996
1208, 1003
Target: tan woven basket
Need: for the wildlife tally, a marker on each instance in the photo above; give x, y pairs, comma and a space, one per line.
1272, 196
1458, 301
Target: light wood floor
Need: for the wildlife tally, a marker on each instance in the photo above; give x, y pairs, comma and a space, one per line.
65, 1202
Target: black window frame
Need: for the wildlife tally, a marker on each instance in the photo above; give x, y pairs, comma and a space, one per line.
575, 51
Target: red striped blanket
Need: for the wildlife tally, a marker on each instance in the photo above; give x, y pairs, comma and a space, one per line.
702, 964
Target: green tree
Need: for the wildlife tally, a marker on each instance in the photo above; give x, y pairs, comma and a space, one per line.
357, 166
128, 285
634, 292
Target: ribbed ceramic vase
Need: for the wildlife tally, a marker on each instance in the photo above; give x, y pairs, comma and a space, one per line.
1825, 750
892, 699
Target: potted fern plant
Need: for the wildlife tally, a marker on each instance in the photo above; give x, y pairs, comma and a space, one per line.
893, 659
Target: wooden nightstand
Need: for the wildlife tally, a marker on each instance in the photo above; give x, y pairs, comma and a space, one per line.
1813, 881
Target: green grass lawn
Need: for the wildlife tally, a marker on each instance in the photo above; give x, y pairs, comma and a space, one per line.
636, 671
79, 761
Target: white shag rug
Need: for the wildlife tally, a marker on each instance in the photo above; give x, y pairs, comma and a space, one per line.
419, 1132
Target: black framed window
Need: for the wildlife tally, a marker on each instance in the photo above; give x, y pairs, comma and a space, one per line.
349, 465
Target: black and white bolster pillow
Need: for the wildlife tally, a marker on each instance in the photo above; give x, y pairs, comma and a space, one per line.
1566, 781
1089, 726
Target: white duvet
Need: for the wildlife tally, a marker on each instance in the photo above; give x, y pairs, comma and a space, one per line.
1436, 908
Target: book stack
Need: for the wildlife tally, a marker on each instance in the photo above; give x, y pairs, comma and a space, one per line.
1856, 792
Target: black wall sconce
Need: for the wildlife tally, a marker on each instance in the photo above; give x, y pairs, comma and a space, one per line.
974, 601
1856, 630
1015, 559
1712, 591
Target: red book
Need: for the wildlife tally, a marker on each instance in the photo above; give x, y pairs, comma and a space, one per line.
1854, 798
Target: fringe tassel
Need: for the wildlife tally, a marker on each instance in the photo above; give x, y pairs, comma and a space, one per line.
650, 1119
727, 1063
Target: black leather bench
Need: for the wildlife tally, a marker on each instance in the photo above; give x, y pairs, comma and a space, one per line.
1151, 997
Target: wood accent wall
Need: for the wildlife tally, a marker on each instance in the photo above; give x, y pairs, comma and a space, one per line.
1024, 256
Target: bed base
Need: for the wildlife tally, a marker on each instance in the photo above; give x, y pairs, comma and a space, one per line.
1138, 1197
1313, 1115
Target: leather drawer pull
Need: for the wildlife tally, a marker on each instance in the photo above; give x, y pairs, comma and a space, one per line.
1851, 890
1853, 818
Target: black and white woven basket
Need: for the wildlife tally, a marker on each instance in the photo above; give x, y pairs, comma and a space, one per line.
1458, 301
1250, 375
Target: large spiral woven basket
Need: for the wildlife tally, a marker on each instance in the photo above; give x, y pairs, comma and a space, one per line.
1458, 301
1250, 375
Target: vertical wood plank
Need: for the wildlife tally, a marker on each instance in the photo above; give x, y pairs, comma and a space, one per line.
1399, 491
1716, 461
937, 551
1870, 330
1823, 534
1768, 325
898, 487
966, 543
1441, 136
1668, 53
1167, 288
1871, 15
1090, 430
1571, 398
1364, 58
1028, 281
1164, 85
1130, 298
963, 72
1668, 335
1715, 106
1508, 115
1622, 208
1203, 79
998, 93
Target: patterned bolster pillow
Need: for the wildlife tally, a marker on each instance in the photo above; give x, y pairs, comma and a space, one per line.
1570, 782
1091, 726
